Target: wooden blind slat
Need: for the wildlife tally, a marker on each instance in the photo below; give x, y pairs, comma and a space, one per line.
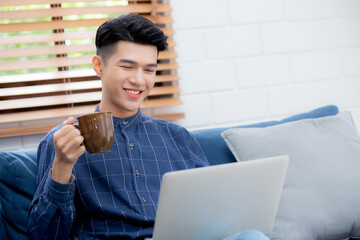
50, 100
45, 63
171, 42
162, 102
74, 86
70, 74
44, 114
168, 31
65, 99
64, 49
59, 62
164, 90
166, 8
63, 112
31, 2
158, 7
57, 24
167, 55
78, 98
169, 116
167, 66
47, 50
47, 76
50, 88
56, 12
164, 19
29, 130
167, 78
23, 131
47, 37
57, 37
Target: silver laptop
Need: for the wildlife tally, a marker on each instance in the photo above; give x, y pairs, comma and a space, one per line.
217, 201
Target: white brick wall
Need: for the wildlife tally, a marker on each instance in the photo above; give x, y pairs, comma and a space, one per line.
234, 106
309, 9
232, 42
266, 59
245, 11
350, 59
263, 71
337, 32
204, 76
246, 61
287, 37
315, 65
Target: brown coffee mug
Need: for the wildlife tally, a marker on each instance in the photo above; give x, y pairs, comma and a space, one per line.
98, 131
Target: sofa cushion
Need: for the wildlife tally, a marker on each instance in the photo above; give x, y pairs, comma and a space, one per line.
17, 187
216, 150
320, 198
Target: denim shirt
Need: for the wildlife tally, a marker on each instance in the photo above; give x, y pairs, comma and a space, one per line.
113, 194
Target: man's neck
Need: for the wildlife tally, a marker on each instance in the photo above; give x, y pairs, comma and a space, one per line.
116, 113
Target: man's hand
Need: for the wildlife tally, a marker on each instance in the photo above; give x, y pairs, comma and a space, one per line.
68, 148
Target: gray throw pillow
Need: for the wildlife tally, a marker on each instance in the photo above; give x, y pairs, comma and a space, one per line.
321, 194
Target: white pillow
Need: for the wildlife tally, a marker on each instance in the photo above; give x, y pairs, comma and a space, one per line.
321, 194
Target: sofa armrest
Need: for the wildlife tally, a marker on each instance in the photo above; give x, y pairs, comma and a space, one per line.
17, 187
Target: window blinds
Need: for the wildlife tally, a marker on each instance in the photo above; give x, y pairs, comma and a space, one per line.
45, 59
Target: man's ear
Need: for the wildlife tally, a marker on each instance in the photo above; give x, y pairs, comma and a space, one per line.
98, 65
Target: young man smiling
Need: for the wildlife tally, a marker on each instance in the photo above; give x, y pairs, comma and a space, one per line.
112, 195
128, 76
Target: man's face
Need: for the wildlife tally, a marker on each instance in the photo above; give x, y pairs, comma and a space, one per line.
127, 78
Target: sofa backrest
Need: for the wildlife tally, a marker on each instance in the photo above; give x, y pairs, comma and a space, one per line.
18, 172
216, 149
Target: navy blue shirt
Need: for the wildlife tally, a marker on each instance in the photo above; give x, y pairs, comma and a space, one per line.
113, 194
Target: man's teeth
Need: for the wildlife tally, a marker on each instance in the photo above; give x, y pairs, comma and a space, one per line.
133, 92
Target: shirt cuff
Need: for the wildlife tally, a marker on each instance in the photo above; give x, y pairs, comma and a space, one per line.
61, 193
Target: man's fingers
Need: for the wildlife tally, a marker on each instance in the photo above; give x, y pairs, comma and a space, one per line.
72, 142
63, 132
79, 151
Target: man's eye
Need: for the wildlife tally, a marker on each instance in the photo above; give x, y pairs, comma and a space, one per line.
149, 70
126, 67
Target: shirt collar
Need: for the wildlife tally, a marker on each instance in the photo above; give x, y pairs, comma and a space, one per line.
125, 122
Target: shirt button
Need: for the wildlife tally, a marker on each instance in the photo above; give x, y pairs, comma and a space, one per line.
131, 145
124, 122
144, 200
137, 173
71, 191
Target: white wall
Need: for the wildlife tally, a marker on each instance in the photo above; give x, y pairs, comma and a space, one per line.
245, 61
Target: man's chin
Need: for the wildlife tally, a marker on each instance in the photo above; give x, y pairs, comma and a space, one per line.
133, 109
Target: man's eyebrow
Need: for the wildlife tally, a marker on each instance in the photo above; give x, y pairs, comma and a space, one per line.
133, 62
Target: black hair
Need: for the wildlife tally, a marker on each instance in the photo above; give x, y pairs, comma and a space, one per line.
130, 27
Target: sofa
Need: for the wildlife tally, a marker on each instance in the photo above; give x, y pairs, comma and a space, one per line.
321, 194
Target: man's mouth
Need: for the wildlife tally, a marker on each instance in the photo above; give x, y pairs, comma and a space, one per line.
133, 91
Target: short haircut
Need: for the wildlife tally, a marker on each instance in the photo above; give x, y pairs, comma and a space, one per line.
130, 27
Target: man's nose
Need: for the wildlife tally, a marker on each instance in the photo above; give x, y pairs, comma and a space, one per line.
138, 76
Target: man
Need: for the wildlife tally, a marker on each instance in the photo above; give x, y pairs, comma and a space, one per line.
114, 194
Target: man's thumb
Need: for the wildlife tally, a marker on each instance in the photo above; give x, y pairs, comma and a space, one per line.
69, 121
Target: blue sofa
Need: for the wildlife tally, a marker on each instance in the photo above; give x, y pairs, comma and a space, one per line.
18, 171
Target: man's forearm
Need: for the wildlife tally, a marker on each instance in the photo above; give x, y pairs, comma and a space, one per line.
52, 211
